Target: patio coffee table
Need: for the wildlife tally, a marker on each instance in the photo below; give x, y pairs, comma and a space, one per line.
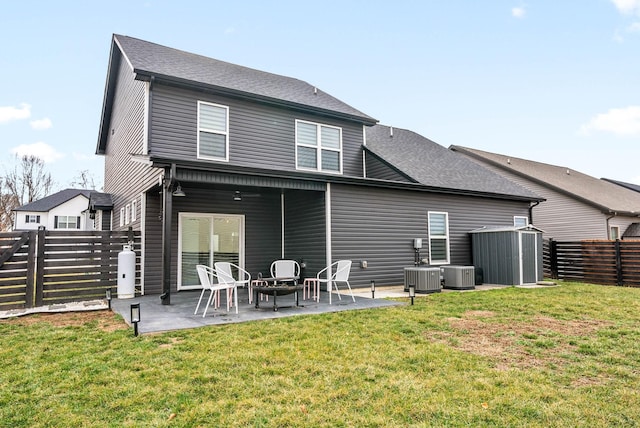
277, 287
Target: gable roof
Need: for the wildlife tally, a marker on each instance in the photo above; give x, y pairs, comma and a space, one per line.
431, 164
150, 60
600, 194
630, 186
50, 202
100, 201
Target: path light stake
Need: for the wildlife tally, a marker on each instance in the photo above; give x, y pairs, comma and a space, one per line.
373, 289
135, 317
412, 292
109, 297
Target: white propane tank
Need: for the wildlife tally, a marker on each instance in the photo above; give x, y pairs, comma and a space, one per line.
126, 273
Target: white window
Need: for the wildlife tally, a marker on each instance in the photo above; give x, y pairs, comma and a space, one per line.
318, 147
127, 214
438, 238
614, 232
520, 221
213, 131
66, 222
32, 218
134, 210
121, 216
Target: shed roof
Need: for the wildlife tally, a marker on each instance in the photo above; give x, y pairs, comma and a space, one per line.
601, 194
49, 202
431, 164
490, 229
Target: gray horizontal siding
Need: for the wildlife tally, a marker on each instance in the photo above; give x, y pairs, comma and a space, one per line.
259, 135
379, 225
381, 171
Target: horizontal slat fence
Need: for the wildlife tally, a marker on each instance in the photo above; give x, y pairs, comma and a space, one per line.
52, 267
598, 262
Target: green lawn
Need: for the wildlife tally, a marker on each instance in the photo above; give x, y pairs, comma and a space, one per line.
558, 356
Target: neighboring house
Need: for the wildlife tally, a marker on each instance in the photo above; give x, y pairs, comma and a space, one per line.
633, 231
213, 161
577, 206
64, 210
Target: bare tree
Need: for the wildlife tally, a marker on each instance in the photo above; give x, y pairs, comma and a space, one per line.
26, 182
84, 180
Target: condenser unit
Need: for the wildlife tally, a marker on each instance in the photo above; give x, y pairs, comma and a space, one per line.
458, 277
426, 280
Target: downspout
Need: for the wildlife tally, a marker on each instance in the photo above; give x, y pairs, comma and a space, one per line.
613, 214
531, 207
167, 215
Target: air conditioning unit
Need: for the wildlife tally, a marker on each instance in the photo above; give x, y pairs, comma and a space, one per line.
458, 277
426, 280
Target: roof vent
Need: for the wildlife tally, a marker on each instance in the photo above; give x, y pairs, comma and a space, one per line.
391, 131
315, 90
509, 161
568, 172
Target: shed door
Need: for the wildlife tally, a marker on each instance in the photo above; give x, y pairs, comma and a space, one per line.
529, 258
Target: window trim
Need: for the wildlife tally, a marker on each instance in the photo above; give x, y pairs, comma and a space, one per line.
121, 216
319, 147
526, 220
213, 131
56, 222
127, 214
134, 208
446, 237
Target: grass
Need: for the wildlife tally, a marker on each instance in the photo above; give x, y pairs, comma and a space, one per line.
562, 356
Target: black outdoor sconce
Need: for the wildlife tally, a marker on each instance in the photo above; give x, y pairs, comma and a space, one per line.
135, 317
373, 289
412, 292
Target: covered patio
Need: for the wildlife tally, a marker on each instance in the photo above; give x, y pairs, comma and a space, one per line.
156, 317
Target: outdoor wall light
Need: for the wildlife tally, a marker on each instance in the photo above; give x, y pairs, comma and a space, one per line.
237, 196
412, 292
108, 295
373, 289
135, 317
178, 191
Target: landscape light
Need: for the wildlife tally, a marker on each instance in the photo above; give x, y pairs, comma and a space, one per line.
135, 317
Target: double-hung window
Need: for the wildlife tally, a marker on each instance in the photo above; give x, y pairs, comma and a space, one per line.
318, 147
66, 222
438, 238
213, 131
32, 218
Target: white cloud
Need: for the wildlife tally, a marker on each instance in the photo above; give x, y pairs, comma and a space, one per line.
40, 149
41, 123
518, 12
619, 121
9, 113
627, 7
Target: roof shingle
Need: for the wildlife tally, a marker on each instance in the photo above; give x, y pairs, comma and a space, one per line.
49, 202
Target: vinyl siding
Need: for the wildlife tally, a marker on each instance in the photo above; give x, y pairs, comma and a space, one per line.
377, 169
124, 179
561, 217
259, 135
379, 225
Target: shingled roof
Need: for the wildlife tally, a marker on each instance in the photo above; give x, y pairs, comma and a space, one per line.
431, 164
630, 186
49, 202
601, 194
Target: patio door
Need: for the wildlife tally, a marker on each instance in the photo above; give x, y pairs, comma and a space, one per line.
206, 239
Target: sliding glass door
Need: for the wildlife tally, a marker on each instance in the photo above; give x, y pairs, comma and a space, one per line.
206, 239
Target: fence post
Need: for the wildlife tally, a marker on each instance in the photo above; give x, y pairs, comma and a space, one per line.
619, 278
553, 258
39, 279
29, 292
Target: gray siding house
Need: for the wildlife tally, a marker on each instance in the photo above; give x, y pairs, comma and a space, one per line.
215, 161
577, 206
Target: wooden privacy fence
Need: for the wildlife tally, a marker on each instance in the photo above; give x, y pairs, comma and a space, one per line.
43, 267
598, 262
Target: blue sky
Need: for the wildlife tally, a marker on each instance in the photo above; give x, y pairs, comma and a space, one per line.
551, 81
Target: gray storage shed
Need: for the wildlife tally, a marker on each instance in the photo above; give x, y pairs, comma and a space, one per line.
508, 255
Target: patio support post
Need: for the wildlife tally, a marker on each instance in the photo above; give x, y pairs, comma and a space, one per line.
167, 209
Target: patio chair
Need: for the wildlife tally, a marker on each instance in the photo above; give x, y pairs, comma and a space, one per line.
285, 269
341, 274
207, 275
225, 273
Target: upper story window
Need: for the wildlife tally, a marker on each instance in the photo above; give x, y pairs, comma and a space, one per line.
520, 221
318, 147
66, 222
213, 131
32, 218
438, 238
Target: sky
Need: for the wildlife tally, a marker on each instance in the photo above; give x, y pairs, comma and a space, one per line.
551, 81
